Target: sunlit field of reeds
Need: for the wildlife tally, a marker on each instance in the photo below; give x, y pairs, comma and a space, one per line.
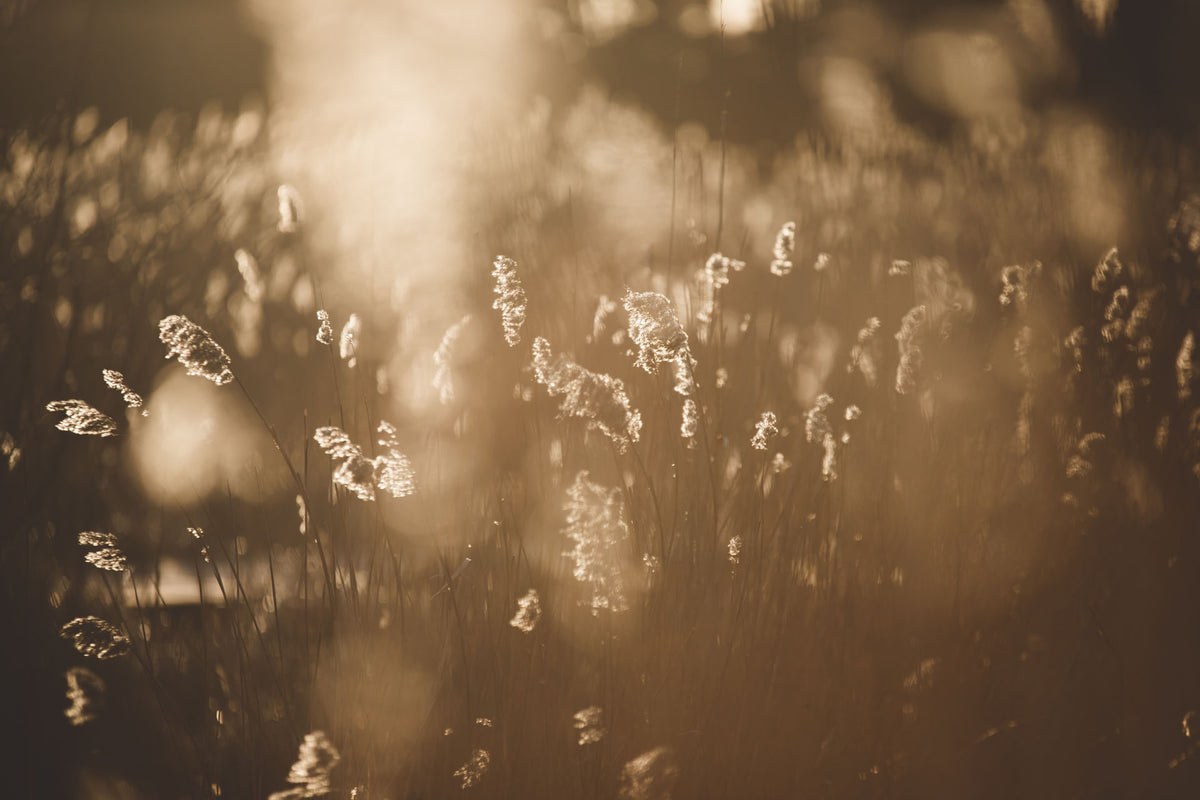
868, 471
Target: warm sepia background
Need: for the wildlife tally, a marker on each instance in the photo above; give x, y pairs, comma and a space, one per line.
963, 562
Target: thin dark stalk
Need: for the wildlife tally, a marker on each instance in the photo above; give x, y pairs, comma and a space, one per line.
712, 478
329, 582
674, 168
724, 125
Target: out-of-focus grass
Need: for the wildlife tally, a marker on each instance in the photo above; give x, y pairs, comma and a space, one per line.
974, 604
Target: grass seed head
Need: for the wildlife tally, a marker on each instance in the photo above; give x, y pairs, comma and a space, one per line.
596, 525
348, 342
443, 359
650, 776
655, 329
115, 380
82, 419
908, 340
325, 328
107, 554
316, 760
251, 276
1107, 272
195, 349
785, 245
95, 637
766, 430
510, 299
589, 722
598, 399
1185, 370
529, 612
289, 208
85, 690
472, 772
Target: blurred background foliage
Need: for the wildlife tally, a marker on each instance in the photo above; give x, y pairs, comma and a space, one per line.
605, 144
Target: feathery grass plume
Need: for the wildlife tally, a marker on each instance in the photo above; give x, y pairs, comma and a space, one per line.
596, 524
714, 277
605, 308
816, 421
818, 429
655, 329
96, 637
1185, 371
472, 772
107, 554
900, 268
908, 340
354, 471
1184, 229
1076, 342
302, 510
689, 421
9, 451
862, 354
921, 678
335, 442
198, 535
251, 276
85, 690
325, 330
829, 470
851, 416
348, 343
785, 245
650, 776
1079, 469
510, 298
195, 349
115, 380
311, 772
1162, 433
529, 612
443, 358
1139, 315
1145, 353
766, 430
735, 550
590, 724
717, 266
1017, 285
82, 419
1115, 314
1107, 272
684, 367
600, 400
1082, 461
392, 471
289, 208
